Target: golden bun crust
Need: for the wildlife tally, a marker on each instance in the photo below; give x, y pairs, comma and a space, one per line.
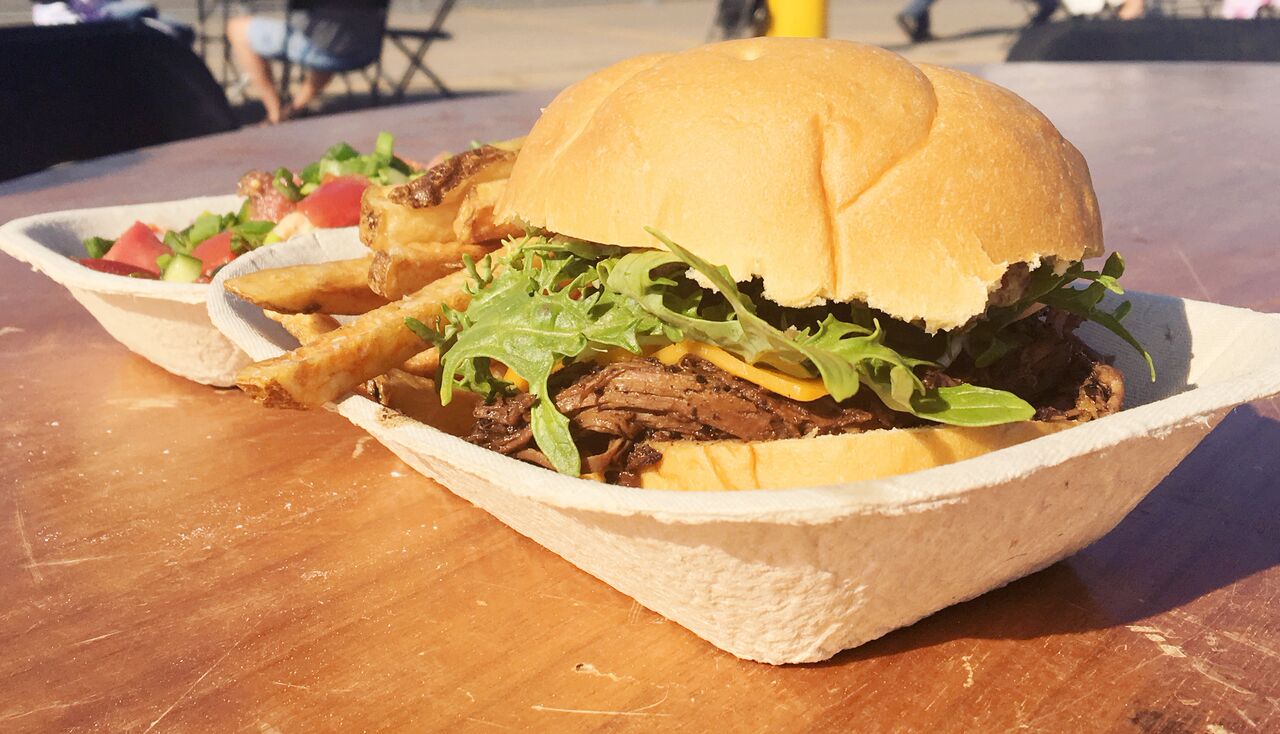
832, 170
822, 460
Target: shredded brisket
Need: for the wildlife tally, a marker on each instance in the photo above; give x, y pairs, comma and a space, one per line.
1054, 371
616, 410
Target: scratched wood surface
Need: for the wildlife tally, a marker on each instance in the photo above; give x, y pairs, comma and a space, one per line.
173, 558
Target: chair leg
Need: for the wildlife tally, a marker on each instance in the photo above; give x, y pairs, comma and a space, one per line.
444, 91
416, 62
403, 85
226, 48
286, 71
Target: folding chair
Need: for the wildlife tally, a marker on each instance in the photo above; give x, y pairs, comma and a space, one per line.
399, 37
375, 75
371, 71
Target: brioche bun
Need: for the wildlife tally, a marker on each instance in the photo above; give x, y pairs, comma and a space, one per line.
832, 170
822, 460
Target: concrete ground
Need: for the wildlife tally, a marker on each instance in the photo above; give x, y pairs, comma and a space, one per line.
503, 48
501, 45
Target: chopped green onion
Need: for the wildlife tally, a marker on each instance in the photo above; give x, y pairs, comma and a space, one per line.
97, 247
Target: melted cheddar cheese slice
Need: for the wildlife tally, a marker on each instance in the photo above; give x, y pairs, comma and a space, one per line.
785, 385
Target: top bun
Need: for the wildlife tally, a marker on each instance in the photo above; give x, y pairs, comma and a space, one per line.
832, 170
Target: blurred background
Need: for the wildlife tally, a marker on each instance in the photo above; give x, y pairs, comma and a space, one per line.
195, 67
500, 45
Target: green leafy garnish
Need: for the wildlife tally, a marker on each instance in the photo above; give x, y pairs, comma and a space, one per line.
552, 301
988, 341
546, 305
246, 234
381, 166
845, 355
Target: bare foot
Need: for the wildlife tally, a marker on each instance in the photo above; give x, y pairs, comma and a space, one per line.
1132, 10
284, 113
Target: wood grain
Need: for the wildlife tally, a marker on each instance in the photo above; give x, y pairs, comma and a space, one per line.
174, 558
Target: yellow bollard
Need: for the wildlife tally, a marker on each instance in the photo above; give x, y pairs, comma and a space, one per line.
798, 18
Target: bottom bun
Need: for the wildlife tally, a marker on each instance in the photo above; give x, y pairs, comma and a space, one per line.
820, 460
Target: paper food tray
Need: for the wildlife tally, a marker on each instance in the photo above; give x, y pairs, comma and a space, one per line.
165, 323
797, 575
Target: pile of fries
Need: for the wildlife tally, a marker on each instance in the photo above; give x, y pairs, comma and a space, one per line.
418, 234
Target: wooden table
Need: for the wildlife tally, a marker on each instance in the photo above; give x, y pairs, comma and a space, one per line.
175, 558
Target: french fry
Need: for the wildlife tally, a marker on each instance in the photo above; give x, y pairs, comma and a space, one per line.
475, 222
419, 398
423, 210
338, 361
423, 364
339, 287
384, 222
307, 328
402, 269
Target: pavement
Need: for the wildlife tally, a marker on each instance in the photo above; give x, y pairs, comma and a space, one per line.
551, 46
503, 45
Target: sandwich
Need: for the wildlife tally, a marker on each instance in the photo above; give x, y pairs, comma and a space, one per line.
780, 262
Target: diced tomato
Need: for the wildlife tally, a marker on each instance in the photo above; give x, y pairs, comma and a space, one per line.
138, 246
215, 252
115, 268
265, 201
335, 203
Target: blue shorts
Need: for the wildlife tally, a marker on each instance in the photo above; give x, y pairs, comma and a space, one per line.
267, 39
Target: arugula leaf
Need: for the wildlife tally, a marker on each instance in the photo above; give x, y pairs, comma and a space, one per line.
1084, 303
545, 306
847, 355
550, 301
987, 341
971, 405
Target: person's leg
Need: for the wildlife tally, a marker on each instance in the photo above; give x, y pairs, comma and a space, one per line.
1132, 9
254, 65
128, 9
914, 20
1044, 11
917, 8
312, 85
